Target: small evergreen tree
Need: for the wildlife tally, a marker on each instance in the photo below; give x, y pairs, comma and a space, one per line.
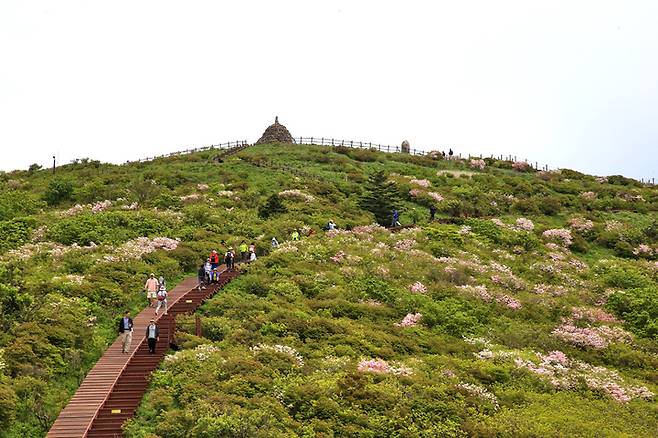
380, 197
272, 207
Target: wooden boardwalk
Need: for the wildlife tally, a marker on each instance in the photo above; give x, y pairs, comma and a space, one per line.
113, 389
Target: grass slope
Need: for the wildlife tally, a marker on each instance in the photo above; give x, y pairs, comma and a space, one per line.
479, 324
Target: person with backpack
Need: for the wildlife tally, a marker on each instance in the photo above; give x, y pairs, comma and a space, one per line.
162, 300
126, 332
152, 335
396, 219
201, 276
244, 255
432, 212
229, 259
331, 225
275, 243
295, 234
214, 259
151, 288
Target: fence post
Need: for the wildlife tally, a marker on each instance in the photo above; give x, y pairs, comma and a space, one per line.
197, 326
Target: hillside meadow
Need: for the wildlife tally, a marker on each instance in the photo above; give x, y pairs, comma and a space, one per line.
529, 306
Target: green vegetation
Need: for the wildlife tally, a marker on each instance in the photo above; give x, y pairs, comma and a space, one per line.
528, 308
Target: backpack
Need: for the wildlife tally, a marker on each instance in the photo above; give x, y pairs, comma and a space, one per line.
162, 295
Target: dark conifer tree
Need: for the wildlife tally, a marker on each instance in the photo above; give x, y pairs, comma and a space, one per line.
380, 197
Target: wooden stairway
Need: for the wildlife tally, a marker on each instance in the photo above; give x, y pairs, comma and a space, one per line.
113, 389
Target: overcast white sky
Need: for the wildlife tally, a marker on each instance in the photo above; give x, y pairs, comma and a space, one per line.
566, 83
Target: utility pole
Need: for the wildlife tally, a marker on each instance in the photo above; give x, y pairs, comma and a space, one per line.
53, 164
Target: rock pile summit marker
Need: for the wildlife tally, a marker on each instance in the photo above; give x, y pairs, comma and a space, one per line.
276, 133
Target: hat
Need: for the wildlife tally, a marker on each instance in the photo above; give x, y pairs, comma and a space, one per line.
152, 274
152, 320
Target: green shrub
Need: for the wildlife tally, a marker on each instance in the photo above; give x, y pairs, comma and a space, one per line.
58, 191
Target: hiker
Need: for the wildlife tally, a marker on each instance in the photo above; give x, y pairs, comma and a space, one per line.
162, 300
244, 255
331, 225
275, 243
451, 153
126, 332
432, 212
161, 282
396, 219
214, 259
208, 268
151, 288
295, 234
201, 276
252, 247
252, 256
152, 336
214, 275
229, 259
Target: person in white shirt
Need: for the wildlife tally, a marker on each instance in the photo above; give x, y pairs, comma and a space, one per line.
152, 336
151, 288
162, 300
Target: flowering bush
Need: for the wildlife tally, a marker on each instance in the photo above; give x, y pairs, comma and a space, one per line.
415, 193
508, 302
405, 244
136, 248
479, 392
380, 366
204, 351
520, 166
581, 224
338, 257
202, 187
280, 349
588, 196
421, 182
477, 164
560, 234
435, 196
297, 195
595, 337
524, 224
101, 206
411, 320
565, 373
418, 288
644, 250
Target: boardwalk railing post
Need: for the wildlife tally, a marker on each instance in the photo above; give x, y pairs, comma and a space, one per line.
197, 326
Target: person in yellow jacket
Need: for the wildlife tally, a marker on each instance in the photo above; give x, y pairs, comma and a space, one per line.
244, 255
295, 234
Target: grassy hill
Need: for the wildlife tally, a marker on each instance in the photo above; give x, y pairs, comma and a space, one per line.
528, 308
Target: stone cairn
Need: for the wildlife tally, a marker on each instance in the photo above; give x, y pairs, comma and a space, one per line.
276, 133
406, 148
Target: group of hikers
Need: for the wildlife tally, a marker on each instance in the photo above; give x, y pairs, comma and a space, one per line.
208, 273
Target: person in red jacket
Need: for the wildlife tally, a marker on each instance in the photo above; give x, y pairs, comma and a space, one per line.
214, 259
